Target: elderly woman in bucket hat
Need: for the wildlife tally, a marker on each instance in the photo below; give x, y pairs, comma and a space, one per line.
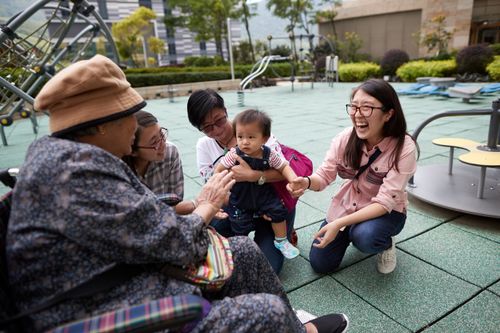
78, 209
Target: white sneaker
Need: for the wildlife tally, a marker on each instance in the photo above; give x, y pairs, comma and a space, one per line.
289, 251
386, 260
304, 316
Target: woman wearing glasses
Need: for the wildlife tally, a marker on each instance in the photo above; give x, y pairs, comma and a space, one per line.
376, 157
207, 112
157, 163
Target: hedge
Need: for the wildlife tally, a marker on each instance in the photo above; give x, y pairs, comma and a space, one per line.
435, 68
156, 79
493, 69
142, 77
360, 71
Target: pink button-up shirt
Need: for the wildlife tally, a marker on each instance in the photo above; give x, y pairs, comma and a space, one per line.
379, 183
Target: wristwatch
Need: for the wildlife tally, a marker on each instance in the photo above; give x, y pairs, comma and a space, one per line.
262, 179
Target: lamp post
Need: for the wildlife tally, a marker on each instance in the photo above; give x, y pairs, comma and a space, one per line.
230, 42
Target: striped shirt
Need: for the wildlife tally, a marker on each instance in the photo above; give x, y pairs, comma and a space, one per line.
276, 161
165, 176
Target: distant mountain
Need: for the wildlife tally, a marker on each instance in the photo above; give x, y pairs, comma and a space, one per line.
265, 24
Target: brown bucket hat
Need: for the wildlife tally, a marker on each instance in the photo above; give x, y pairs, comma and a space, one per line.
87, 93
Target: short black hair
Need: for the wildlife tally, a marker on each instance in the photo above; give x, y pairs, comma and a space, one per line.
201, 103
254, 116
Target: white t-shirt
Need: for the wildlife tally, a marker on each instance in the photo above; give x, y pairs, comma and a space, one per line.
209, 152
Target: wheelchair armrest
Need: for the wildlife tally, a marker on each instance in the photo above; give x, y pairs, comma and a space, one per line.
170, 312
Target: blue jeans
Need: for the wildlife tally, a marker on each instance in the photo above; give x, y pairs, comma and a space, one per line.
264, 237
372, 236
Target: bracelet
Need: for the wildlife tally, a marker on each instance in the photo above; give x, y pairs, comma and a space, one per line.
309, 182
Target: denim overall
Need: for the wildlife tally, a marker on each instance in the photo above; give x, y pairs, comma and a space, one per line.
249, 200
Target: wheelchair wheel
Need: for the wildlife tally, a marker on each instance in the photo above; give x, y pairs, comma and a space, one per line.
42, 39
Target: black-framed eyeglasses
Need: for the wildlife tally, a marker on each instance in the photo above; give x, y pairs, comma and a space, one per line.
364, 110
218, 123
158, 142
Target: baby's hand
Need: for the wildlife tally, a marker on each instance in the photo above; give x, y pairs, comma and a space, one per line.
297, 187
221, 215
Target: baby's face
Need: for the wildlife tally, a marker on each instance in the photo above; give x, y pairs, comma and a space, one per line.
250, 138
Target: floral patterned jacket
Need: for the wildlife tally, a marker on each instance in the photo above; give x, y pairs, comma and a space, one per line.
76, 211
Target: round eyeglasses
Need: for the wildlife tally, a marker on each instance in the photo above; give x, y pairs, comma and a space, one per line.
364, 110
158, 142
218, 123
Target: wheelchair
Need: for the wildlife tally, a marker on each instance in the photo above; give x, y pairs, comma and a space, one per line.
169, 313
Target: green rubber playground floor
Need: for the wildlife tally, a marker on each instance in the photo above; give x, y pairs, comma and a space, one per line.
448, 272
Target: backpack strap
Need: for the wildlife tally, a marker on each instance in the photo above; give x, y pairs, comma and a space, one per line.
370, 161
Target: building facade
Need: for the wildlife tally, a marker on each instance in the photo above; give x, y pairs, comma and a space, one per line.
395, 24
179, 43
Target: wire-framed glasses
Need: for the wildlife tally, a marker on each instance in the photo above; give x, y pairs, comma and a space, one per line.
218, 123
364, 110
158, 142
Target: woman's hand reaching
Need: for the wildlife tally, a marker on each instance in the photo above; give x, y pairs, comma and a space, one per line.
297, 186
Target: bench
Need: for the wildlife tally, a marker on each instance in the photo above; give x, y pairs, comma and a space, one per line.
466, 93
478, 155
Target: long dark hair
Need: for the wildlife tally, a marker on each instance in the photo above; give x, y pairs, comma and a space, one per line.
201, 103
395, 127
144, 119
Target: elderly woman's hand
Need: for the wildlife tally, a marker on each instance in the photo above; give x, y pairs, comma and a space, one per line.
214, 194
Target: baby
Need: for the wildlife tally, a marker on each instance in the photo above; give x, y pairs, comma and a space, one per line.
250, 200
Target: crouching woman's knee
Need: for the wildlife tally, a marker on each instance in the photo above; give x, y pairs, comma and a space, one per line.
323, 264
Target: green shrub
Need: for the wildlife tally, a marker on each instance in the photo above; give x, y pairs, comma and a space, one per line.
156, 79
176, 70
189, 60
474, 59
495, 48
203, 61
360, 71
436, 68
493, 69
392, 60
141, 77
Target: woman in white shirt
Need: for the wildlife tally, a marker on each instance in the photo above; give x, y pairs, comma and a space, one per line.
207, 112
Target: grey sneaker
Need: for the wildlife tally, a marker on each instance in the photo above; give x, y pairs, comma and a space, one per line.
386, 260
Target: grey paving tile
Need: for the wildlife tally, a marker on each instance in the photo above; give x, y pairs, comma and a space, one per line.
305, 215
416, 293
191, 188
296, 273
470, 257
328, 296
3, 189
495, 288
189, 164
482, 226
415, 224
321, 200
481, 314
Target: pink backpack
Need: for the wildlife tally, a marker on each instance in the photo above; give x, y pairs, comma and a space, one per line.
302, 166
